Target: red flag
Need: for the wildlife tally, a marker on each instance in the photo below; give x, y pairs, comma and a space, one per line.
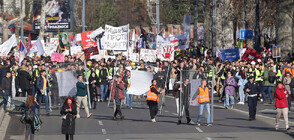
29, 43
251, 55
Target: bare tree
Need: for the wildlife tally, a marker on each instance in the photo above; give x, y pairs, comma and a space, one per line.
43, 17
6, 22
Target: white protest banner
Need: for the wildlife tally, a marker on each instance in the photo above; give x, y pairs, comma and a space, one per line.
140, 82
115, 38
195, 83
166, 53
66, 83
7, 45
54, 41
49, 49
148, 55
134, 57
75, 50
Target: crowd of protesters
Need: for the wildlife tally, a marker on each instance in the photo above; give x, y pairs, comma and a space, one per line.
241, 81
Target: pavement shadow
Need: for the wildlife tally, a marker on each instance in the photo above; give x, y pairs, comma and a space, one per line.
248, 127
243, 119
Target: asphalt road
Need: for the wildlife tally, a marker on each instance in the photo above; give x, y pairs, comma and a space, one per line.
228, 125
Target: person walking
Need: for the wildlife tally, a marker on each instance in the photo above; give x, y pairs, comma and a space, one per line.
30, 108
94, 83
269, 78
202, 94
43, 92
252, 88
117, 95
287, 81
185, 100
69, 112
6, 88
127, 84
152, 99
281, 105
230, 84
242, 81
25, 81
82, 96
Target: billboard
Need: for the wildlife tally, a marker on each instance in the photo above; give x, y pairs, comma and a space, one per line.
60, 15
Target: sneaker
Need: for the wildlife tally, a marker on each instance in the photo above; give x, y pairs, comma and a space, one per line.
232, 107
90, 114
192, 122
209, 124
114, 118
277, 127
226, 107
288, 127
198, 123
242, 103
153, 120
188, 120
239, 103
78, 116
122, 117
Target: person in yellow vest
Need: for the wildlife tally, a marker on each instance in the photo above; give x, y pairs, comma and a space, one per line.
202, 94
127, 84
152, 99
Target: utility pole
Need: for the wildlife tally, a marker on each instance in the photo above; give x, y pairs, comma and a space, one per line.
257, 28
83, 17
157, 16
195, 23
21, 22
213, 30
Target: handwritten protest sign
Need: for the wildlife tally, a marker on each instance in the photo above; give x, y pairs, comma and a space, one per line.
91, 51
134, 57
57, 57
148, 55
115, 38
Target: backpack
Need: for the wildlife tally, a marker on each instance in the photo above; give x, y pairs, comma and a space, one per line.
272, 79
29, 116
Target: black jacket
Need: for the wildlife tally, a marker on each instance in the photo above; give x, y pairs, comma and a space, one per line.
24, 80
68, 125
6, 84
102, 75
254, 88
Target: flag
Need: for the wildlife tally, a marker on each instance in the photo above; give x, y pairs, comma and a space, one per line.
37, 48
73, 42
7, 45
22, 52
29, 43
60, 48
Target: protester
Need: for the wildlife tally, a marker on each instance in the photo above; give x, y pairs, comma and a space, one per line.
30, 107
82, 96
287, 81
281, 105
43, 92
269, 78
185, 101
93, 87
202, 94
241, 83
117, 95
230, 84
68, 112
6, 90
152, 99
127, 83
25, 80
103, 75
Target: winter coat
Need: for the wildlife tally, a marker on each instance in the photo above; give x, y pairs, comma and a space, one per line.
230, 84
40, 84
266, 75
68, 125
6, 84
120, 90
281, 99
176, 92
102, 75
24, 80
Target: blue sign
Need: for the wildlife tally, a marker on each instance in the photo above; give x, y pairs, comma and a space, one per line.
231, 55
246, 34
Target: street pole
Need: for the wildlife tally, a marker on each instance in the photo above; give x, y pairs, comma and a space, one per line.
157, 16
21, 22
244, 17
195, 23
83, 17
257, 28
213, 30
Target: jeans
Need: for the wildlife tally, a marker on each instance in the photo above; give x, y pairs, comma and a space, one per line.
104, 89
201, 107
269, 91
130, 99
5, 99
40, 97
241, 94
252, 103
228, 98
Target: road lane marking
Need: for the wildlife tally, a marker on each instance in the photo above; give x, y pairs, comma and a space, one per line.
208, 138
199, 130
107, 139
165, 111
245, 112
100, 122
103, 131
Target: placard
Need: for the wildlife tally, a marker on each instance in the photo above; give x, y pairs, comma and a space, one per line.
115, 38
57, 57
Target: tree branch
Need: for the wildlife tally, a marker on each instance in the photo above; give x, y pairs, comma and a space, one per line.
20, 17
52, 2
